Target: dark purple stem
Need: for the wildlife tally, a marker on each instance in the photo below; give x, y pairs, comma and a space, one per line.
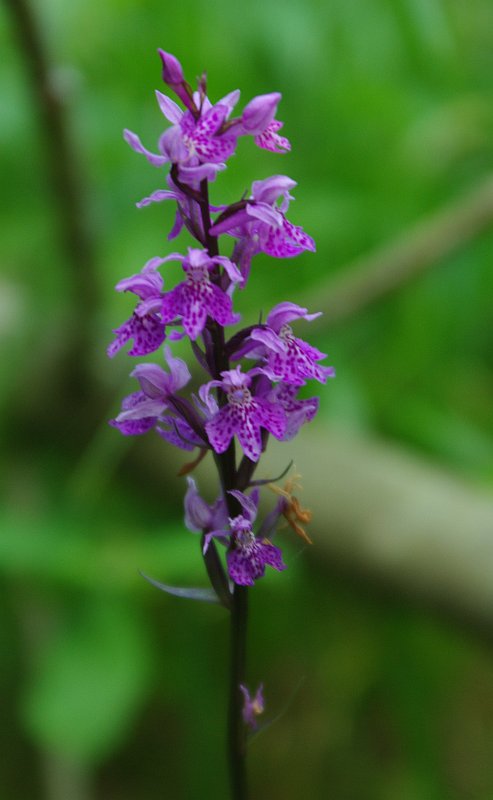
226, 464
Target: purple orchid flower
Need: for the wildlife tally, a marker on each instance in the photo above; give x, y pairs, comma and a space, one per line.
258, 115
201, 517
197, 298
201, 136
288, 358
145, 326
248, 555
257, 120
252, 706
141, 410
244, 414
190, 142
260, 224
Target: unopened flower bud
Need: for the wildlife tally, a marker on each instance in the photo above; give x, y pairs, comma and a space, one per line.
173, 76
172, 69
252, 706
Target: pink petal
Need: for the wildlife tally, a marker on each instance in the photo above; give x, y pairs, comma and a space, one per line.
298, 235
217, 148
171, 305
219, 306
133, 140
157, 197
220, 430
211, 121
170, 109
248, 432
271, 417
193, 311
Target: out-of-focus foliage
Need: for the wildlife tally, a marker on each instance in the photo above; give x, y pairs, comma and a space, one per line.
112, 689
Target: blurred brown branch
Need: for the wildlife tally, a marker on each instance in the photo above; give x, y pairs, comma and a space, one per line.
390, 518
370, 278
67, 187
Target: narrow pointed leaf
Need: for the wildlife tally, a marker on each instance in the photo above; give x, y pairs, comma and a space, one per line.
204, 595
265, 481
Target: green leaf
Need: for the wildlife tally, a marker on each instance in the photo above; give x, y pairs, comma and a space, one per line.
203, 595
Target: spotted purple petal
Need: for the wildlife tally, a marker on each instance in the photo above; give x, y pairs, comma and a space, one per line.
296, 234
221, 428
269, 139
247, 564
210, 122
147, 332
217, 148
271, 417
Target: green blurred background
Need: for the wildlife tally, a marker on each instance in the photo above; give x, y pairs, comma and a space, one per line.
111, 690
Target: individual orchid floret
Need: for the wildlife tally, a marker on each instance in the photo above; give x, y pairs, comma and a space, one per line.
198, 514
248, 555
198, 297
260, 223
201, 517
258, 120
191, 142
141, 410
288, 358
252, 706
244, 414
145, 326
196, 141
259, 113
